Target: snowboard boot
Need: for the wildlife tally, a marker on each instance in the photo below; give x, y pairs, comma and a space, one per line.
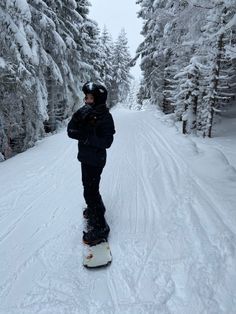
98, 230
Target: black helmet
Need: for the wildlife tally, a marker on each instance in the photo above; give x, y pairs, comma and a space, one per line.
98, 91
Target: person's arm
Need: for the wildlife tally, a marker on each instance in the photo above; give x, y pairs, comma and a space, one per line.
76, 126
105, 139
74, 131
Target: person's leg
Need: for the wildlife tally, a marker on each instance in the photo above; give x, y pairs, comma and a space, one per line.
97, 226
91, 177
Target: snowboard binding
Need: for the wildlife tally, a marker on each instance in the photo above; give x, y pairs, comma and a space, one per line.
97, 249
97, 227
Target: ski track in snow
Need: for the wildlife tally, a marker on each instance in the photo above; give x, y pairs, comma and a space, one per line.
172, 241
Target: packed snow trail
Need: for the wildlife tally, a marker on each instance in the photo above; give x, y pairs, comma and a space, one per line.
171, 206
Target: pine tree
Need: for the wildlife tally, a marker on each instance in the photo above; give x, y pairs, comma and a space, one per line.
161, 48
121, 58
218, 81
18, 89
48, 49
132, 99
176, 34
187, 98
105, 60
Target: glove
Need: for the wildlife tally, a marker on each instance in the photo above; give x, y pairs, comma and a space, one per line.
84, 113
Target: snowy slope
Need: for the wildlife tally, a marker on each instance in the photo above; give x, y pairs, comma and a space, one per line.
171, 205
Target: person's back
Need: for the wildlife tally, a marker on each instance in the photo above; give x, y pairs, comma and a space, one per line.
93, 127
92, 150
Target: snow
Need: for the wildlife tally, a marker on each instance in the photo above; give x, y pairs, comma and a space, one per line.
2, 63
42, 99
73, 4
171, 206
231, 51
21, 6
59, 41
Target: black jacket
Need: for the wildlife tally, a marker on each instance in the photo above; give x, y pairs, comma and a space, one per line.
94, 134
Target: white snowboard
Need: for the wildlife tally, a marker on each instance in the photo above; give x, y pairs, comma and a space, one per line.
97, 255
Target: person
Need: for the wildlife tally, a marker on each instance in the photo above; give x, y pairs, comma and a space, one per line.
93, 126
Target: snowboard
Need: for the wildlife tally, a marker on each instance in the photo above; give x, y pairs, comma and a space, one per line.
98, 255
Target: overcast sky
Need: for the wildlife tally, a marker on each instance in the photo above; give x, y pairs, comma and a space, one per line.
118, 14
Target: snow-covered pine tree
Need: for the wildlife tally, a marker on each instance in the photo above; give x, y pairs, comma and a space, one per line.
142, 92
174, 33
187, 98
45, 57
132, 100
161, 51
70, 46
90, 50
169, 82
151, 63
220, 77
18, 88
106, 74
120, 70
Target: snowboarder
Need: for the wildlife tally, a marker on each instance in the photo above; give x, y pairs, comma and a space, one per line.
93, 126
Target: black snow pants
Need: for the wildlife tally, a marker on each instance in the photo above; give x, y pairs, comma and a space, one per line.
91, 176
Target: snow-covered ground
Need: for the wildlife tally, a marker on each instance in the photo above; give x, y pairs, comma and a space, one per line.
171, 205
